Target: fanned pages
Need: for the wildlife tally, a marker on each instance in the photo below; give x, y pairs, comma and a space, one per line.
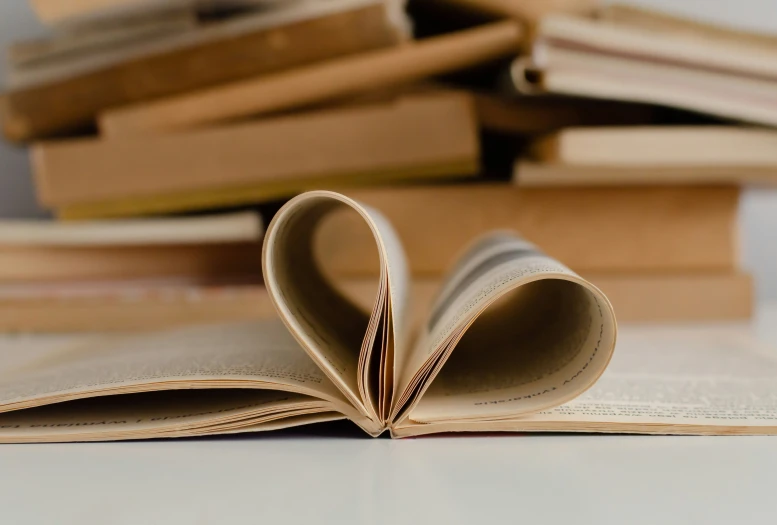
511, 343
512, 332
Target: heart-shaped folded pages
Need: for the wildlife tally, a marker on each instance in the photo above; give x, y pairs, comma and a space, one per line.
512, 331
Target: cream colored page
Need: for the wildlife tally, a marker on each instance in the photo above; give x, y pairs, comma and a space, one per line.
706, 376
155, 414
541, 335
328, 329
226, 355
398, 288
329, 326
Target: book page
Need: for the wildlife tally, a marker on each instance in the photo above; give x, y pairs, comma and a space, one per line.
258, 355
662, 379
175, 413
354, 348
512, 332
713, 380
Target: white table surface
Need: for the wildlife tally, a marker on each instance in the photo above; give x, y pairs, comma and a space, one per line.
332, 474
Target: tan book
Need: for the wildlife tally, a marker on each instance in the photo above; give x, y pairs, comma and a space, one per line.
153, 305
708, 69
414, 137
77, 13
61, 98
679, 298
699, 147
672, 229
128, 306
515, 341
319, 83
195, 248
537, 174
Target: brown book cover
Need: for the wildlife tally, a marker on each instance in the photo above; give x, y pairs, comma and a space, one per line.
629, 229
409, 138
197, 62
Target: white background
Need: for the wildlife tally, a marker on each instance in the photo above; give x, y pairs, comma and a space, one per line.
759, 209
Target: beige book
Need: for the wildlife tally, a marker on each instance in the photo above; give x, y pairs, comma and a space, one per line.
671, 229
75, 13
59, 97
514, 341
527, 173
319, 83
145, 305
727, 76
414, 137
130, 305
698, 147
197, 247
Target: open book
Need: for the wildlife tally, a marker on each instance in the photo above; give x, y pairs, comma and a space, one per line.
512, 332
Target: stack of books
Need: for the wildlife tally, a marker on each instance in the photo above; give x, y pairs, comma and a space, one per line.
163, 134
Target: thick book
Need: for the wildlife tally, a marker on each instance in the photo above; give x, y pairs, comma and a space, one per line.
699, 147
411, 138
681, 64
528, 173
90, 13
154, 304
672, 229
333, 80
650, 155
58, 99
196, 247
513, 342
131, 304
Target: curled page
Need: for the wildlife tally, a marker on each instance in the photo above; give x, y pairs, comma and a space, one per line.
356, 351
512, 332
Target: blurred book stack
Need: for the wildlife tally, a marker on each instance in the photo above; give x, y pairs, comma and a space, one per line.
163, 133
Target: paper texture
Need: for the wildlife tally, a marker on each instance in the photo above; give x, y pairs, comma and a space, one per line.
695, 380
514, 341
